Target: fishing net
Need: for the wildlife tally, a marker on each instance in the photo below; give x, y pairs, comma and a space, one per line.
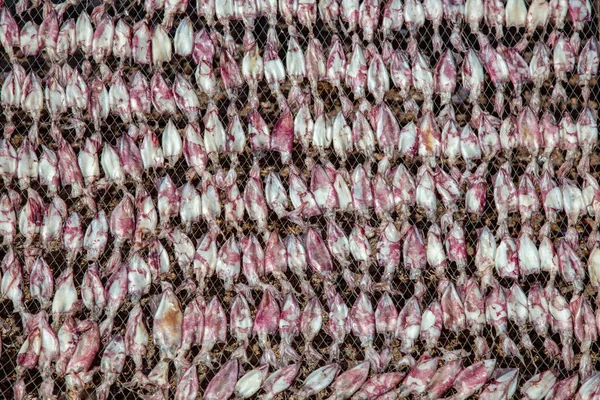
532, 362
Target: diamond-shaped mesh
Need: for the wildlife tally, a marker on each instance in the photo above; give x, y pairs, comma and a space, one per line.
532, 362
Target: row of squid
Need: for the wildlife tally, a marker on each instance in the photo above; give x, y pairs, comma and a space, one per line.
362, 70
388, 188
136, 220
372, 17
78, 342
69, 350
303, 117
303, 125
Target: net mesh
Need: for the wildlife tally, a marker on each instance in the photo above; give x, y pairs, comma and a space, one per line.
533, 362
